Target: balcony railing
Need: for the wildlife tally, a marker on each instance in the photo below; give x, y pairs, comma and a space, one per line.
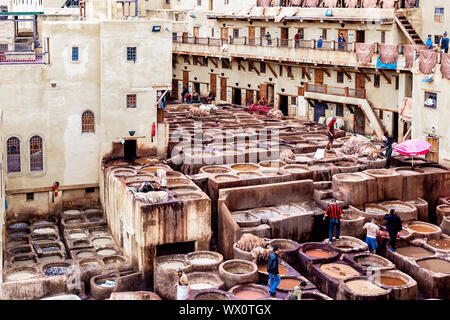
336, 91
22, 53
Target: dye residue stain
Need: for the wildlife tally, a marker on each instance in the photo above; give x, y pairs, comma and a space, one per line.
435, 265
442, 244
248, 294
318, 253
364, 287
414, 252
391, 281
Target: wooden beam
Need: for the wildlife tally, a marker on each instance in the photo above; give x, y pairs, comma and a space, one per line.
346, 73
271, 70
290, 75
186, 59
174, 58
250, 63
385, 76
227, 63
213, 62
304, 72
240, 66
364, 74
326, 71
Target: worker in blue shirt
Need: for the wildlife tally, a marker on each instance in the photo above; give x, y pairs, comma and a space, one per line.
272, 270
444, 43
319, 43
429, 43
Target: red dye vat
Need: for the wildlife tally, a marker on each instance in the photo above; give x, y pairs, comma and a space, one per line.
318, 253
247, 294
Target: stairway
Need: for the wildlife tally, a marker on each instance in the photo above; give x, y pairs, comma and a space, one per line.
408, 29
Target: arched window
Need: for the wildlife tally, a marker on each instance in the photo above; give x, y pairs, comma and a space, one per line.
87, 122
13, 154
36, 154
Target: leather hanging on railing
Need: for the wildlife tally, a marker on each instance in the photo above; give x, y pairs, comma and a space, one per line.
388, 4
351, 3
410, 4
369, 3
445, 66
427, 61
364, 52
263, 3
296, 3
286, 12
275, 3
388, 53
408, 52
312, 3
330, 3
257, 12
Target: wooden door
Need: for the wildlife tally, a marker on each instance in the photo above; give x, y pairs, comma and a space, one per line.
360, 81
318, 76
196, 32
360, 121
360, 36
186, 79
345, 33
185, 37
213, 83
284, 37
433, 155
223, 89
249, 97
224, 33
251, 36
263, 90
174, 89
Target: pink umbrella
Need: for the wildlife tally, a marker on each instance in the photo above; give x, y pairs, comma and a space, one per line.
413, 148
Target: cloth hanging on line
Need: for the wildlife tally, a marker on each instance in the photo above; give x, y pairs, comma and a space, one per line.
263, 3
312, 3
364, 52
427, 61
296, 2
388, 4
330, 3
388, 53
351, 3
445, 66
370, 3
408, 52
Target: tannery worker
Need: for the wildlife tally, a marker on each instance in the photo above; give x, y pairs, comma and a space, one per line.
182, 285
334, 211
330, 133
297, 291
372, 231
263, 101
272, 270
393, 226
388, 148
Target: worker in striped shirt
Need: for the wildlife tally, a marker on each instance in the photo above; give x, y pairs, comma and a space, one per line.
335, 213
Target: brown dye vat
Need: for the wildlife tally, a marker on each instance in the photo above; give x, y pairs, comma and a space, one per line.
348, 177
421, 228
153, 169
248, 294
433, 169
442, 244
318, 253
244, 167
295, 169
226, 177
392, 281
183, 189
271, 173
414, 252
346, 164
271, 164
177, 182
408, 172
435, 265
364, 287
338, 270
288, 284
249, 175
281, 269
216, 170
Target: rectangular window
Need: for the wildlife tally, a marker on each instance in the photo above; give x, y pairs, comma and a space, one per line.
339, 109
383, 36
397, 83
174, 36
205, 61
235, 33
439, 15
212, 32
262, 67
376, 81
340, 77
430, 99
89, 190
30, 196
131, 101
381, 114
293, 101
250, 66
74, 53
324, 34
194, 60
262, 32
224, 65
131, 54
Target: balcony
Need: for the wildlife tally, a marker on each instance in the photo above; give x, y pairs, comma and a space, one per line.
22, 53
289, 50
336, 91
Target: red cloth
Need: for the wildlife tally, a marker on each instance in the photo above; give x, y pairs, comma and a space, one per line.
258, 108
334, 212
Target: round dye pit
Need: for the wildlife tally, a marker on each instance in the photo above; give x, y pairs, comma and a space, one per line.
72, 221
18, 225
318, 253
284, 244
85, 254
106, 252
317, 167
391, 281
379, 172
289, 283
295, 169
20, 275
12, 244
172, 265
179, 190
249, 175
338, 270
289, 209
177, 182
57, 270
414, 252
201, 261
441, 244
407, 172
348, 177
397, 206
433, 169
374, 209
270, 173
77, 235
435, 265
72, 212
211, 296
90, 263
18, 234
282, 269
44, 231
98, 233
24, 261
346, 164
205, 260
244, 167
215, 170
248, 294
372, 261
364, 287
271, 164
114, 260
98, 242
201, 286
226, 177
422, 228
265, 213
50, 258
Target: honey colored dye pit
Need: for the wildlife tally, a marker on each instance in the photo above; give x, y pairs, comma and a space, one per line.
338, 270
442, 244
421, 228
288, 284
249, 294
201, 286
281, 269
364, 287
318, 253
435, 265
391, 281
244, 167
414, 252
172, 265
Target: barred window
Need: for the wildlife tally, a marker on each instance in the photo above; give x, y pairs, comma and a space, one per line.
36, 154
376, 82
74, 53
87, 122
13, 154
131, 54
131, 101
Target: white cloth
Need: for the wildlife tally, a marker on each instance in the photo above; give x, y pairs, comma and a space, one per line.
181, 292
372, 229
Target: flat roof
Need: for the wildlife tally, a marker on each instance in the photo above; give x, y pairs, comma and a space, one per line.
25, 13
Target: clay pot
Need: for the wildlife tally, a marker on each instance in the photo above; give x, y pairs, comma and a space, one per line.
204, 260
210, 294
249, 291
441, 211
422, 208
348, 290
402, 286
288, 250
238, 271
205, 280
165, 275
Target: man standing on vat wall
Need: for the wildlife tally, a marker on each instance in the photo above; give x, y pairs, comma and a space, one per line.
272, 270
182, 285
393, 226
335, 213
372, 231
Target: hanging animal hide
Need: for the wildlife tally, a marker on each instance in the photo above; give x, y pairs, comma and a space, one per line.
388, 53
427, 61
364, 52
408, 52
445, 66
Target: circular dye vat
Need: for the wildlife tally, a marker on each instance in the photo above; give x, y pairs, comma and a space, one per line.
433, 169
407, 172
89, 263
17, 234
177, 182
226, 177
265, 213
392, 281
319, 167
374, 209
44, 231
397, 206
20, 275
179, 190
421, 228
23, 262
19, 225
99, 233
215, 170
57, 271
288, 283
77, 235
349, 177
73, 221
53, 258
201, 286
72, 212
248, 175
435, 265
248, 294
244, 167
115, 260
414, 252
271, 164
338, 270
211, 296
85, 254
318, 253
172, 265
364, 287
442, 244
281, 269
295, 169
98, 242
288, 209
106, 252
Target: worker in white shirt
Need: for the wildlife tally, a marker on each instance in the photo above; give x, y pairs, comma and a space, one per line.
371, 237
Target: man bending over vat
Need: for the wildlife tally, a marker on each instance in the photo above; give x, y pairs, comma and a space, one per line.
272, 270
330, 133
372, 231
297, 291
182, 285
393, 226
335, 213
